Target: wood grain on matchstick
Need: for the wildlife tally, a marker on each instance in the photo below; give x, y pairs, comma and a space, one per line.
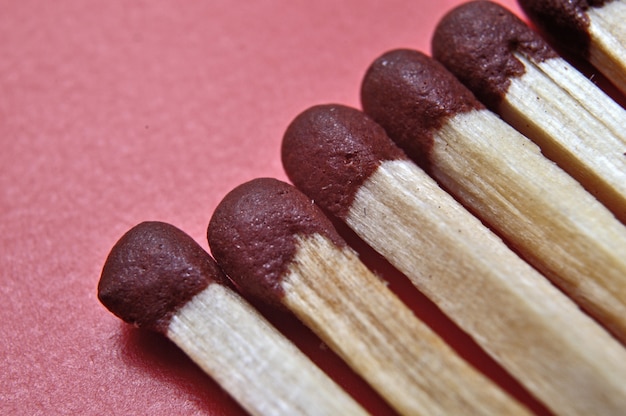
279, 247
345, 162
503, 178
158, 278
516, 73
594, 29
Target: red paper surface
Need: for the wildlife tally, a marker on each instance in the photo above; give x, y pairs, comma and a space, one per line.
119, 111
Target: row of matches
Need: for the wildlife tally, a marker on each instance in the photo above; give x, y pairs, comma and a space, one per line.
511, 229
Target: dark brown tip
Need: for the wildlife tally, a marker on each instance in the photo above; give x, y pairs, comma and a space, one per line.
151, 272
253, 231
329, 151
565, 21
411, 96
477, 42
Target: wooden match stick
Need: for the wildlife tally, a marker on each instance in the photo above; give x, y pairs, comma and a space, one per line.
157, 277
594, 29
517, 74
344, 161
503, 178
279, 247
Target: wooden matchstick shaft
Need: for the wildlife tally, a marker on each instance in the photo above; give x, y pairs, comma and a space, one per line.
561, 355
279, 248
503, 178
553, 223
607, 51
496, 298
378, 336
575, 124
517, 74
251, 360
593, 30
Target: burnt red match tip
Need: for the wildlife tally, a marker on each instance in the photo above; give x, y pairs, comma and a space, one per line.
151, 272
477, 42
565, 21
253, 231
411, 96
329, 151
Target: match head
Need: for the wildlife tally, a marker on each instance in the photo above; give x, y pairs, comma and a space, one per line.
564, 20
411, 96
477, 42
151, 272
253, 232
329, 151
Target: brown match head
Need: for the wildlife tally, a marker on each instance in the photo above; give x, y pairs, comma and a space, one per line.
253, 232
477, 42
411, 96
151, 272
329, 151
565, 21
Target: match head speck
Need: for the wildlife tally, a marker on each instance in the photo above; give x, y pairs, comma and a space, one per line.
151, 272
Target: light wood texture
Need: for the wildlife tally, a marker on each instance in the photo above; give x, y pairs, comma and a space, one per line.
575, 124
607, 51
562, 356
353, 311
251, 360
539, 209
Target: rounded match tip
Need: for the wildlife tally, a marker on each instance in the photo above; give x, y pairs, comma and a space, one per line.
411, 96
328, 152
477, 42
253, 234
565, 21
151, 272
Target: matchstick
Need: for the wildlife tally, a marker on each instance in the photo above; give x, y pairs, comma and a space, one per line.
502, 177
157, 277
344, 161
595, 30
517, 74
278, 247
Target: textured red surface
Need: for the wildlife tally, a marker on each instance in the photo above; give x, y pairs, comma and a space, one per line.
120, 111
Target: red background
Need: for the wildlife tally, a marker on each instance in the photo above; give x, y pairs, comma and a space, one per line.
119, 111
